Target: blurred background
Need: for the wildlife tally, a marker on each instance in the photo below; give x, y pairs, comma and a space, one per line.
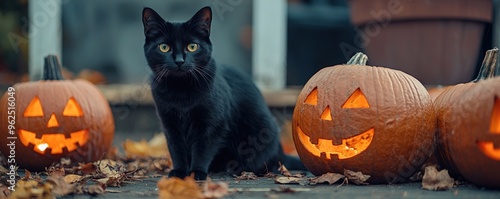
281, 43
107, 36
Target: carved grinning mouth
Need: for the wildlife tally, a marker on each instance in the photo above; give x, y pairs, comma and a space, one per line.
55, 142
350, 146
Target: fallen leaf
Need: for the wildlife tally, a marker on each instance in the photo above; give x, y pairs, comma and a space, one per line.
283, 170
4, 191
271, 175
94, 189
110, 168
246, 176
27, 175
215, 190
60, 186
56, 171
72, 178
175, 188
85, 169
32, 189
156, 147
65, 161
356, 177
290, 180
327, 177
434, 180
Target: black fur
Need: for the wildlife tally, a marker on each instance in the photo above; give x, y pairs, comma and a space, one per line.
214, 117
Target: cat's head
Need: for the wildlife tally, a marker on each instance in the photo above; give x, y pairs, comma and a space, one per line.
177, 48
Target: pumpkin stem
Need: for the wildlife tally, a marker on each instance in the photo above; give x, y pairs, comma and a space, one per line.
52, 68
358, 59
489, 65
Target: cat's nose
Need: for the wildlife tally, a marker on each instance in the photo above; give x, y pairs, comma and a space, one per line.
179, 61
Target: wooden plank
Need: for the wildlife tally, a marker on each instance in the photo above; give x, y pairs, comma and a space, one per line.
135, 94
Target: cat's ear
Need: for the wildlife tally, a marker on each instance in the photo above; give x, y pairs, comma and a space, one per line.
202, 21
150, 19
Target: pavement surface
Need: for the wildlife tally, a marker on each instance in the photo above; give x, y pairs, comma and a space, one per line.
263, 188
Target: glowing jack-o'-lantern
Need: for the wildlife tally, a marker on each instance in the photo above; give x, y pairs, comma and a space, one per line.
350, 146
371, 119
56, 118
55, 142
469, 127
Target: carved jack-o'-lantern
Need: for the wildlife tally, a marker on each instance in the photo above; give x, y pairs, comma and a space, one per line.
371, 119
56, 118
469, 127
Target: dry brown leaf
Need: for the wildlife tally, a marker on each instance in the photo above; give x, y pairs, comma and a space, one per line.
85, 169
271, 175
27, 175
356, 177
175, 188
60, 186
94, 189
4, 191
327, 177
283, 170
156, 147
246, 176
215, 190
72, 178
434, 180
32, 189
65, 161
56, 171
110, 168
290, 180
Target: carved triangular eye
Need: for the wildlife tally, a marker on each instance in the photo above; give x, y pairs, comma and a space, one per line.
34, 109
72, 108
312, 98
356, 100
495, 117
326, 115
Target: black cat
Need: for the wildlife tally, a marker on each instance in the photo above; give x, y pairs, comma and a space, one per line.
214, 117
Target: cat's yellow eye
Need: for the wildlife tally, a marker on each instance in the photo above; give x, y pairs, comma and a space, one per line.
164, 48
192, 47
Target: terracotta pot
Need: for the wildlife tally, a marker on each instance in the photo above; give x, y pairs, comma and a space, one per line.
412, 36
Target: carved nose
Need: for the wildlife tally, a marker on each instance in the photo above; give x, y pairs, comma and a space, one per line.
179, 60
52, 121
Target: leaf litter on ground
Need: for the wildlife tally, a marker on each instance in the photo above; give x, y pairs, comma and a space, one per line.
436, 180
140, 160
357, 178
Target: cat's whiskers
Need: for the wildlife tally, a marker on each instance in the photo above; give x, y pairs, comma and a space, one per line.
160, 73
203, 74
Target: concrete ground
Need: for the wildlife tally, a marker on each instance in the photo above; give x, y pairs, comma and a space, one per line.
262, 188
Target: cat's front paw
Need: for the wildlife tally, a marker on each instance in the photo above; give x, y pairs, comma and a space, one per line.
199, 175
178, 173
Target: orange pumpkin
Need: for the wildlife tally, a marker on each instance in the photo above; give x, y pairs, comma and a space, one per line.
55, 118
469, 127
375, 120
